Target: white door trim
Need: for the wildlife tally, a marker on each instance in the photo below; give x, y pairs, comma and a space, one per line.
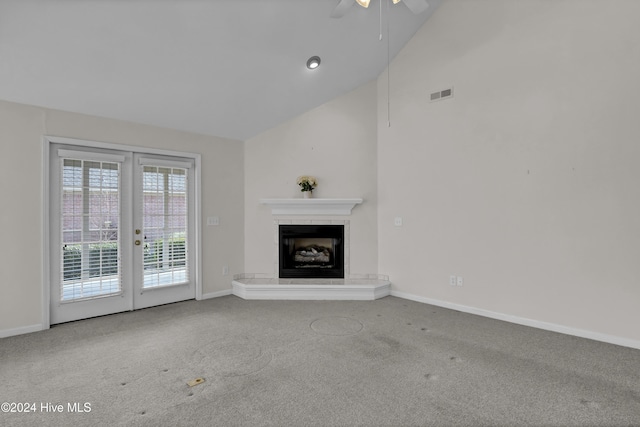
47, 140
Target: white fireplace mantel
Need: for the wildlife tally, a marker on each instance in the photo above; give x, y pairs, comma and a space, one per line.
311, 206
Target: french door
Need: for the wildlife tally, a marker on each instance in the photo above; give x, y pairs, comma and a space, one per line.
122, 231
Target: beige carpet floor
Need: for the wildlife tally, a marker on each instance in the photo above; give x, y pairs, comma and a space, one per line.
389, 362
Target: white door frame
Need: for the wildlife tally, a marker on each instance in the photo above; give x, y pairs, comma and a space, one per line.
47, 140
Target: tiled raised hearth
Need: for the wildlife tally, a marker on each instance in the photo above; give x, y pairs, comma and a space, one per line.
364, 288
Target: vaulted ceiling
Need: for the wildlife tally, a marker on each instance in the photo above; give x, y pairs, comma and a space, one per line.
229, 68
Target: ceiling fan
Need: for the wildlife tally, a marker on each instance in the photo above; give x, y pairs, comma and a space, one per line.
415, 6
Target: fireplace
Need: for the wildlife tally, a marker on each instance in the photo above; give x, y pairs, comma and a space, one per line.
311, 251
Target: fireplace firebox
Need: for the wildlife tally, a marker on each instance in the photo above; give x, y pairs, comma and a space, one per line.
311, 251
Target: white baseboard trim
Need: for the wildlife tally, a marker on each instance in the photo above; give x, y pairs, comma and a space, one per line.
216, 294
21, 330
611, 339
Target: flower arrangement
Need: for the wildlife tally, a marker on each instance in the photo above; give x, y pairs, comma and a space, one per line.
307, 183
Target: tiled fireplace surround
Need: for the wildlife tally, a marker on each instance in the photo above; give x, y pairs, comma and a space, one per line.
270, 286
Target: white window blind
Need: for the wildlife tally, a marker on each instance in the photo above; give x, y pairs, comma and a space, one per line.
182, 164
86, 155
165, 223
90, 225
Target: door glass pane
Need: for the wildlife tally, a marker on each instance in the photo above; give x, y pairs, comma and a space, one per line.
164, 218
90, 217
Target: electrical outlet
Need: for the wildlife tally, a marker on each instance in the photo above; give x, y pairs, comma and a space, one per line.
460, 281
453, 280
225, 270
397, 221
213, 220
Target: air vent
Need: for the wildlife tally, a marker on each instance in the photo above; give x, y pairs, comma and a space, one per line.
443, 94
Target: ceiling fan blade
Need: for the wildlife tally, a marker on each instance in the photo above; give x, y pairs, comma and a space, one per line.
416, 6
342, 8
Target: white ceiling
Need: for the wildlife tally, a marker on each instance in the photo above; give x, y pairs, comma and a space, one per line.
229, 68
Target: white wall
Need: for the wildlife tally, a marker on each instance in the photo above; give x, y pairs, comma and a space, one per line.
21, 131
336, 143
526, 182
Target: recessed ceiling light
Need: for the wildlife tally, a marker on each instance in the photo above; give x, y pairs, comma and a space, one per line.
313, 62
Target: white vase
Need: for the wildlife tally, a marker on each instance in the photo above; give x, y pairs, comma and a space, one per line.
307, 194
